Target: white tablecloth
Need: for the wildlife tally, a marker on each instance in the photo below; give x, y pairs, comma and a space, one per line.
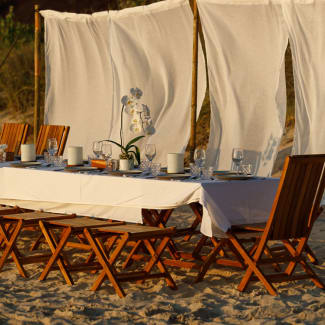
225, 203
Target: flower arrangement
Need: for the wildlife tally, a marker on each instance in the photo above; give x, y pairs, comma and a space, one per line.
141, 123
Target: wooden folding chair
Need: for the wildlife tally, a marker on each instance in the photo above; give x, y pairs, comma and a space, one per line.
11, 225
295, 208
107, 256
70, 228
59, 132
13, 135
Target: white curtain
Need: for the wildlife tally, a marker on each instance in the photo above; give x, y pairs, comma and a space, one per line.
246, 42
151, 48
78, 75
306, 24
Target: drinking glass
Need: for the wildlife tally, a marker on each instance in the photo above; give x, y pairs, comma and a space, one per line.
150, 152
155, 169
237, 157
144, 165
199, 157
208, 173
195, 170
97, 148
247, 169
52, 148
106, 150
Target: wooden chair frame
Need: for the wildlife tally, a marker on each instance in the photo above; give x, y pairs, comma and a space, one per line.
14, 134
59, 132
115, 233
295, 209
11, 226
122, 235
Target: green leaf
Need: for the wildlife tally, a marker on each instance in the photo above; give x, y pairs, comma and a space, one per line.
136, 153
133, 141
123, 149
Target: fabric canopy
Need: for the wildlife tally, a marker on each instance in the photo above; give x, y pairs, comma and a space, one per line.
94, 60
78, 75
151, 48
246, 43
306, 24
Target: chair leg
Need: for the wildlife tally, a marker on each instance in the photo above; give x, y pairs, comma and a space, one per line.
103, 260
297, 253
252, 267
11, 248
155, 259
310, 254
56, 250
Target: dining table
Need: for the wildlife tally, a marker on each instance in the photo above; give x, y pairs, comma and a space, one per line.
124, 197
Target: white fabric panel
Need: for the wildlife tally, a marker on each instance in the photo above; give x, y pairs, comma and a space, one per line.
246, 43
78, 75
306, 24
121, 198
151, 48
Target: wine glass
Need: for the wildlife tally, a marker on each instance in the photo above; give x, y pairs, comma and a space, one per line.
52, 148
97, 148
106, 150
199, 159
237, 157
150, 152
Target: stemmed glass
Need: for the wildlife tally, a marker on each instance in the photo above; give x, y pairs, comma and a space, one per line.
237, 157
106, 150
52, 148
150, 152
97, 148
199, 159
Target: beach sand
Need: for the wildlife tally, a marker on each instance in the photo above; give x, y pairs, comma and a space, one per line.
213, 301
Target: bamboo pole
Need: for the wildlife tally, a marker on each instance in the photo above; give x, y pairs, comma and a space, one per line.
192, 143
37, 69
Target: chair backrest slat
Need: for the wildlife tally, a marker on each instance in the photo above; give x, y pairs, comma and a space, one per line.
14, 134
59, 132
300, 190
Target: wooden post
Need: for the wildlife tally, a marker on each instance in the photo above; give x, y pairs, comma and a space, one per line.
37, 69
192, 143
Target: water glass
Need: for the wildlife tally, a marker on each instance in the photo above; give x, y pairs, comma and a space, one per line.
237, 157
150, 151
247, 169
155, 169
97, 148
195, 170
58, 161
46, 157
208, 173
144, 165
106, 150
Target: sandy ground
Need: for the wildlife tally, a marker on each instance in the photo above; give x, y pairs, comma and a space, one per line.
213, 301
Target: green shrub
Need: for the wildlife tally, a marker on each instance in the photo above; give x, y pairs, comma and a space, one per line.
10, 30
17, 79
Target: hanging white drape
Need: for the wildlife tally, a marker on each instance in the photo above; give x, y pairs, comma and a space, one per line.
151, 48
306, 24
78, 75
246, 43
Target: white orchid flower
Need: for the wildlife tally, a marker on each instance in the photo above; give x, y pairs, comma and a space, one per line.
136, 92
136, 127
